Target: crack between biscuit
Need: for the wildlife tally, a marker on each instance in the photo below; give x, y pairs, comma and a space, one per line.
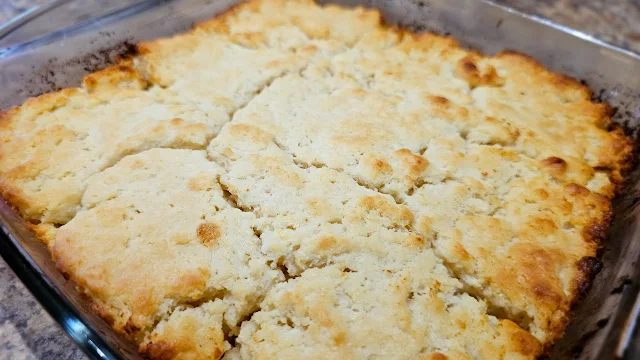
498, 311
368, 84
208, 140
233, 202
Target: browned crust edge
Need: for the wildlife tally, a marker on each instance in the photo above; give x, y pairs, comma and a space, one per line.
160, 350
589, 266
623, 156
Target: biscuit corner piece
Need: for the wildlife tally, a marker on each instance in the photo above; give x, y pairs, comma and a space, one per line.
53, 143
160, 253
517, 238
192, 333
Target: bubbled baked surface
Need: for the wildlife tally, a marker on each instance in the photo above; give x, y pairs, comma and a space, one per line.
289, 180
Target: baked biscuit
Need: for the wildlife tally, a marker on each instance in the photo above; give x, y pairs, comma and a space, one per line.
53, 143
370, 312
366, 191
307, 217
510, 231
154, 236
378, 137
176, 93
368, 286
231, 58
190, 333
509, 91
397, 143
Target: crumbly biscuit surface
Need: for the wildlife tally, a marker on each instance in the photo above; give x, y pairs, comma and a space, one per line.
365, 192
155, 234
368, 287
55, 142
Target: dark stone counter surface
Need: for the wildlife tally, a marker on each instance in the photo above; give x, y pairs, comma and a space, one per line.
28, 332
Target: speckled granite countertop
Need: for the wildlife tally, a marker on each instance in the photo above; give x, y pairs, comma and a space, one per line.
28, 332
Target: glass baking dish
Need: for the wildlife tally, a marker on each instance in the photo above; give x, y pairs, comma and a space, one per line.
55, 45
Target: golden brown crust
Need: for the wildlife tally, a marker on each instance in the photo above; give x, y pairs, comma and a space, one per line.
218, 24
188, 334
617, 155
44, 232
588, 268
623, 152
467, 69
594, 232
116, 75
159, 350
208, 233
435, 356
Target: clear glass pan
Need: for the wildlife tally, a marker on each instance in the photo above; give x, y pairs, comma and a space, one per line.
55, 45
